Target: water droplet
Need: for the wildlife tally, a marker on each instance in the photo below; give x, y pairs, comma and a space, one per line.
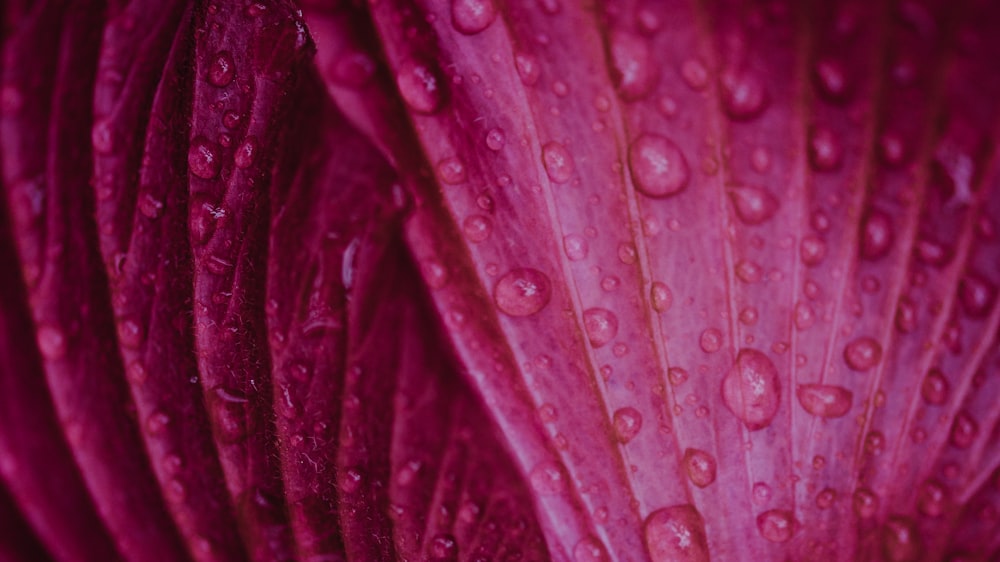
676, 534
229, 413
103, 137
710, 340
477, 228
601, 326
495, 139
826, 152
935, 388
350, 480
776, 525
131, 334
977, 295
452, 170
634, 73
805, 317
157, 422
231, 119
661, 297
222, 71
862, 353
51, 342
933, 498
627, 253
244, 156
353, 68
743, 94
548, 478
695, 74
825, 400
203, 159
964, 430
576, 247
472, 16
658, 166
749, 316
610, 283
825, 498
812, 250
831, 80
874, 443
932, 252
420, 86
589, 549
150, 207
901, 540
522, 292
558, 162
700, 467
527, 68
748, 271
752, 389
877, 235
627, 422
677, 375
754, 205
865, 503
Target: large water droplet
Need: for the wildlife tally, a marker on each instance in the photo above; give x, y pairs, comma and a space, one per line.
627, 422
634, 73
754, 205
421, 86
676, 534
660, 296
901, 540
776, 525
935, 388
472, 16
658, 166
752, 389
877, 234
222, 71
743, 94
977, 295
964, 430
825, 400
700, 467
203, 158
826, 152
558, 162
862, 353
522, 292
601, 326
548, 478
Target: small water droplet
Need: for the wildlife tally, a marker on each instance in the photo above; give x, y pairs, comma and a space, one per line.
589, 549
131, 334
627, 253
676, 534
877, 235
222, 71
601, 326
825, 400
743, 94
977, 295
157, 422
749, 316
244, 156
150, 207
695, 74
754, 205
472, 16
935, 388
862, 353
522, 292
231, 119
831, 79
51, 342
627, 422
805, 317
776, 525
865, 503
748, 271
548, 478
634, 73
964, 430
658, 166
661, 297
203, 159
576, 247
752, 389
700, 467
353, 68
932, 252
812, 250
826, 152
103, 137
495, 139
452, 170
933, 498
477, 228
527, 68
421, 86
710, 340
825, 498
901, 540
558, 162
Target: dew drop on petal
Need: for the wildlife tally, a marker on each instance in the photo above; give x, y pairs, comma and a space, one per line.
754, 205
865, 503
977, 295
472, 16
700, 467
102, 137
877, 235
558, 162
576, 247
826, 152
421, 86
935, 388
661, 297
812, 250
452, 170
245, 153
601, 326
932, 499
964, 430
743, 94
831, 80
444, 547
627, 422
710, 340
826, 401
901, 540
589, 549
825, 498
658, 166
634, 74
695, 74
676, 534
203, 158
495, 139
752, 389
548, 478
51, 342
477, 228
522, 292
862, 353
222, 71
527, 68
776, 525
